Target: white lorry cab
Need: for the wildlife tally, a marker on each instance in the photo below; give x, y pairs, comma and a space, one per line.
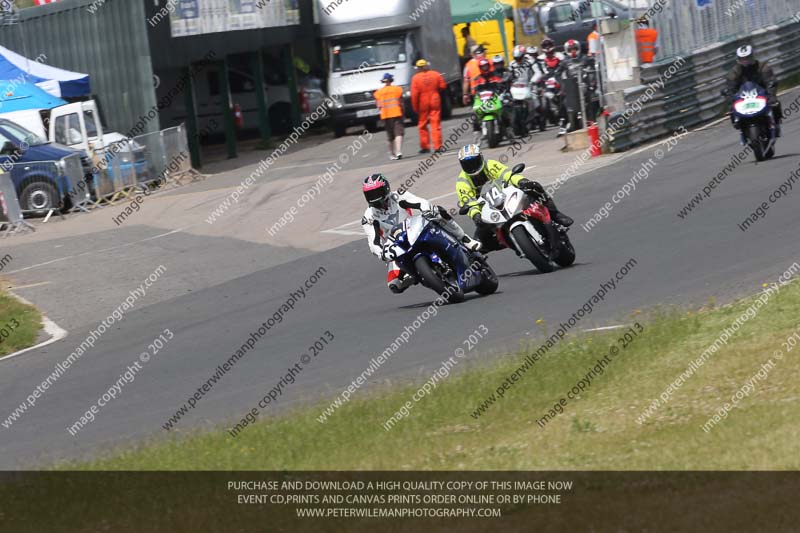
365, 39
75, 125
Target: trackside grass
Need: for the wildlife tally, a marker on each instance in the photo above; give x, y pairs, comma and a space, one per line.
19, 324
598, 430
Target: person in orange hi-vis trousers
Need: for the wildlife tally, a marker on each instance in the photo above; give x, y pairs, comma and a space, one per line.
425, 99
389, 100
646, 38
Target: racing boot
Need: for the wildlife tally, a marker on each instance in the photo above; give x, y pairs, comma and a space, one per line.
452, 227
558, 216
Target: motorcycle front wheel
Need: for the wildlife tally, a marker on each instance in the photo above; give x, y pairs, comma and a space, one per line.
433, 278
529, 249
566, 252
754, 140
489, 281
492, 134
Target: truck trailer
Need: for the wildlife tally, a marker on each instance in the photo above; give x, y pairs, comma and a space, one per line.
364, 39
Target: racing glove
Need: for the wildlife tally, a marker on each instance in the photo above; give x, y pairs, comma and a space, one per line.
533, 188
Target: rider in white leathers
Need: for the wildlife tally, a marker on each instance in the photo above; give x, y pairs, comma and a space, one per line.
387, 209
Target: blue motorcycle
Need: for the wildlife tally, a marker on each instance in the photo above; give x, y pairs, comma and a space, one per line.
752, 115
425, 251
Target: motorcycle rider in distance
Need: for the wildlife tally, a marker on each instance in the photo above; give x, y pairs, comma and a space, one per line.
476, 172
386, 209
552, 59
487, 79
521, 69
577, 64
748, 68
499, 65
533, 56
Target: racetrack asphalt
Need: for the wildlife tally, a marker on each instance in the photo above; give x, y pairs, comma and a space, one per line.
679, 261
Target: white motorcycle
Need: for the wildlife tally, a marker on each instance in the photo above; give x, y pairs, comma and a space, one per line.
524, 224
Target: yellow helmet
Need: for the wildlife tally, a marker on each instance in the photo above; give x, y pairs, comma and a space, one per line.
422, 63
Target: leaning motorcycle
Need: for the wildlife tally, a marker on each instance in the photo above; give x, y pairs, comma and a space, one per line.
524, 224
425, 251
488, 107
753, 116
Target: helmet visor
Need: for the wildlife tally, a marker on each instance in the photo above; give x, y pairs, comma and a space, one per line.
746, 61
376, 197
472, 165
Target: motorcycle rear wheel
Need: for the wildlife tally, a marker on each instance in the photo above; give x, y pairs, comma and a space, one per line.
529, 249
433, 280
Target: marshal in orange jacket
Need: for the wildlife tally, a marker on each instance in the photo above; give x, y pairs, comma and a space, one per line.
425, 100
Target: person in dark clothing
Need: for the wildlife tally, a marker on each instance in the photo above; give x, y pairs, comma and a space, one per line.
748, 68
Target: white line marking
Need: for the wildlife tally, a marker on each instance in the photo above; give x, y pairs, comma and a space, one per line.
338, 229
32, 285
41, 264
605, 328
103, 250
51, 328
343, 232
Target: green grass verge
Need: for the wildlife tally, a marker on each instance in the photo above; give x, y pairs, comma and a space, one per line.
597, 431
20, 322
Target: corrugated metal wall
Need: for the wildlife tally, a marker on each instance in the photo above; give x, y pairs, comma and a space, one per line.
110, 45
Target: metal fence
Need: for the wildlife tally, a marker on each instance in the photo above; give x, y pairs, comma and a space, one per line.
166, 153
685, 26
11, 219
120, 171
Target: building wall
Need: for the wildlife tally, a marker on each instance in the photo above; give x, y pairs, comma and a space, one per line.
101, 39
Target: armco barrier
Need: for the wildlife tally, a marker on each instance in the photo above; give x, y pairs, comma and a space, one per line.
691, 93
11, 219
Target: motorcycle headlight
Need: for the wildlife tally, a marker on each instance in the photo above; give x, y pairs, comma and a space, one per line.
495, 217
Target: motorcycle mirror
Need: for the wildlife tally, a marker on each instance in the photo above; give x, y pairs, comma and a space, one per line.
518, 168
464, 210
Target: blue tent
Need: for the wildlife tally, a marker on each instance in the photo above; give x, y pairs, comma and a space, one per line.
57, 82
15, 96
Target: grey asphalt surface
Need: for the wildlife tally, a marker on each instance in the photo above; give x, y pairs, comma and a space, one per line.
683, 262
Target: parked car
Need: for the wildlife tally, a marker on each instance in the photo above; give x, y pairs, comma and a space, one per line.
38, 168
563, 20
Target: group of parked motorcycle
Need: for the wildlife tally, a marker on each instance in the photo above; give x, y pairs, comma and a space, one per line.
441, 263
517, 107
528, 99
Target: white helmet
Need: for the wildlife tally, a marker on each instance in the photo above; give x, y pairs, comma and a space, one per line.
744, 55
471, 159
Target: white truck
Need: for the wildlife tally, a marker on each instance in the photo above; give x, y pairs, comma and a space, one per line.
366, 38
75, 125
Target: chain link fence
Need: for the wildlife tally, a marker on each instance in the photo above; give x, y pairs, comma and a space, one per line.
685, 26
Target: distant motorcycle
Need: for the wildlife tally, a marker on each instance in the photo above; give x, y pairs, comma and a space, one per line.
422, 249
488, 107
524, 224
552, 100
524, 107
753, 116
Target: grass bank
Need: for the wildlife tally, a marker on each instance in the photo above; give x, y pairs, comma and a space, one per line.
602, 428
19, 324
